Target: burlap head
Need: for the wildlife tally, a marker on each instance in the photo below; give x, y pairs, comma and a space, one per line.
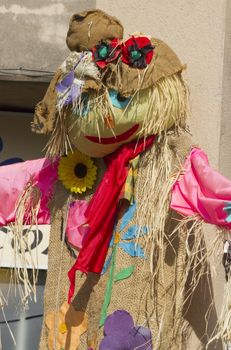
88, 28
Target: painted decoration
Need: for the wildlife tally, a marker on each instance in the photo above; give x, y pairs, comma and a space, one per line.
121, 333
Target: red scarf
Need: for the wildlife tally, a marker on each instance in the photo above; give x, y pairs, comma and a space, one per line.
102, 210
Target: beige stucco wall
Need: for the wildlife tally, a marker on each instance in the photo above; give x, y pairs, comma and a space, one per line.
225, 131
33, 32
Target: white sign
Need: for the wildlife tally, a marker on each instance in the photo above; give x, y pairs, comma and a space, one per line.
37, 242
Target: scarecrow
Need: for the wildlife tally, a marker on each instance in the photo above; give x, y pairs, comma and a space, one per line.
126, 194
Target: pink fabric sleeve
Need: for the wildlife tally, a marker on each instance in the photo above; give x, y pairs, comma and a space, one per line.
14, 178
202, 190
43, 173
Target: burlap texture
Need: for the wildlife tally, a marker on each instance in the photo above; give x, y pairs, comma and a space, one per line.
153, 301
88, 288
88, 28
59, 260
157, 306
156, 300
45, 110
127, 80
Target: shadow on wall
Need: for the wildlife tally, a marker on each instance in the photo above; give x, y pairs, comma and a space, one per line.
200, 309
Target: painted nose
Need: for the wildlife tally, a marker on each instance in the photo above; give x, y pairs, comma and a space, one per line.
109, 121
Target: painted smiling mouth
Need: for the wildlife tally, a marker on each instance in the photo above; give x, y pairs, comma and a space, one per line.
115, 139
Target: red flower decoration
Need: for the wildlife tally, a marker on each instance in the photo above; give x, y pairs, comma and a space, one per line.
106, 52
137, 52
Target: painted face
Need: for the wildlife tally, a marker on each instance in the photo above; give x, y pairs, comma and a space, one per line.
100, 130
87, 85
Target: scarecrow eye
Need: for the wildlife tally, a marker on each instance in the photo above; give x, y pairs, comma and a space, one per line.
118, 100
121, 98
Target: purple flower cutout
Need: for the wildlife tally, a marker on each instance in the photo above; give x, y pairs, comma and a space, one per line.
120, 333
69, 89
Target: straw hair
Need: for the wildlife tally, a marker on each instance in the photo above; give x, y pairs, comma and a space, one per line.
169, 104
159, 169
84, 68
27, 208
59, 142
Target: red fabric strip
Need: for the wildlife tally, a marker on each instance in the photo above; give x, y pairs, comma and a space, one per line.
102, 210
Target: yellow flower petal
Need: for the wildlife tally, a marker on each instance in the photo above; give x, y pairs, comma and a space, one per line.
66, 172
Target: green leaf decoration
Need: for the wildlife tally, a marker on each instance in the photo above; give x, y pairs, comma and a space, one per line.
124, 273
108, 291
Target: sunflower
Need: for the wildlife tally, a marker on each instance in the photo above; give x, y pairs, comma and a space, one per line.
77, 172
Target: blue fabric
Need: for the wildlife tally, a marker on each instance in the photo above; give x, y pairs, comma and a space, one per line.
106, 265
127, 217
132, 249
133, 231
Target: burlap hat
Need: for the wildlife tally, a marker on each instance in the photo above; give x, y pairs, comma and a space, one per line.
127, 80
88, 28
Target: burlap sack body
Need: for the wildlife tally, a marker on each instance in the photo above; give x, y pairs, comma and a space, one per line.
155, 300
